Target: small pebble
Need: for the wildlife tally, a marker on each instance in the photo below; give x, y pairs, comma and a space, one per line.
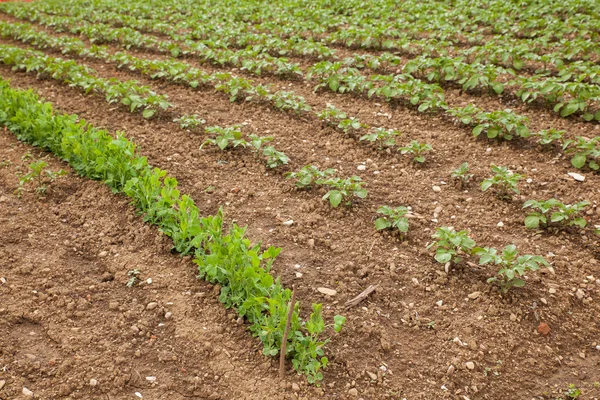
151, 306
26, 392
93, 382
470, 365
436, 189
329, 292
474, 295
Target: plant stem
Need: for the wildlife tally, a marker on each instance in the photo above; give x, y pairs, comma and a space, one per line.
285, 334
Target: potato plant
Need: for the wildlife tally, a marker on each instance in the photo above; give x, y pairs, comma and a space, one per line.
512, 266
310, 175
462, 175
342, 190
584, 151
189, 121
393, 218
548, 137
225, 137
450, 245
382, 136
504, 181
416, 150
555, 213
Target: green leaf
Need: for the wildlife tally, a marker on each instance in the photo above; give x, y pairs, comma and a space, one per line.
519, 283
486, 184
338, 322
335, 198
477, 130
382, 223
148, 113
442, 257
578, 161
532, 222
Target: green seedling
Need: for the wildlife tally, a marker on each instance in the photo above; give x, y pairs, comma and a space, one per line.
382, 136
584, 151
450, 244
549, 136
133, 277
461, 174
466, 115
563, 215
40, 176
225, 137
257, 142
572, 392
512, 266
393, 218
309, 175
274, 158
343, 190
504, 181
501, 124
190, 121
416, 149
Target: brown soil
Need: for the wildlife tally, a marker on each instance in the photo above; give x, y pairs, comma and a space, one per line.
401, 334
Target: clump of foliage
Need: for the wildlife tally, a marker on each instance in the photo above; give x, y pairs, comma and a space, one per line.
189, 121
504, 181
342, 190
450, 245
310, 175
512, 266
462, 175
393, 218
416, 150
555, 213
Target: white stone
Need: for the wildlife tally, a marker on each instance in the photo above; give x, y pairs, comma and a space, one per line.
328, 292
470, 364
436, 189
288, 223
26, 392
361, 167
576, 176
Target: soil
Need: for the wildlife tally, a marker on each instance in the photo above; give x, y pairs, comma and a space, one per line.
415, 337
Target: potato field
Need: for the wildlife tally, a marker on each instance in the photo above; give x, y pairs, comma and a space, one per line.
300, 199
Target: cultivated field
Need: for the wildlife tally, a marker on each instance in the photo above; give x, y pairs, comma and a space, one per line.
190, 186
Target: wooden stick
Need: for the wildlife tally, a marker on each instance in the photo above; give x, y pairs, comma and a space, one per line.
363, 295
285, 334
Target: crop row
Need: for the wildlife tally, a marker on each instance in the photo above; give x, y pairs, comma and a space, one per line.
235, 87
386, 33
503, 124
566, 98
129, 93
227, 258
252, 60
386, 19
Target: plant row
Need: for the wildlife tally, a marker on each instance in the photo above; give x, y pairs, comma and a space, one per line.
171, 70
502, 124
251, 60
129, 93
223, 256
